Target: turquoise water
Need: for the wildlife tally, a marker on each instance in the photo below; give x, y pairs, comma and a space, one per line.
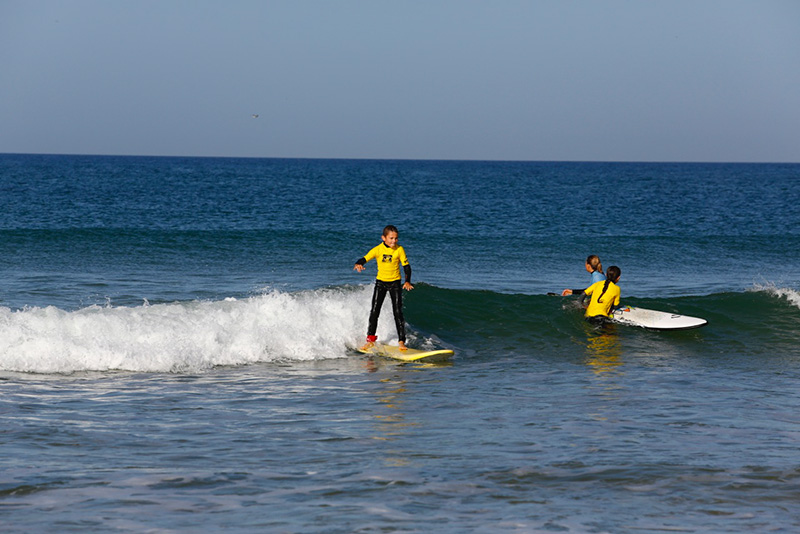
177, 334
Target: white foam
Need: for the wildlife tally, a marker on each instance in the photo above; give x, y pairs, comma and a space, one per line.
791, 295
190, 336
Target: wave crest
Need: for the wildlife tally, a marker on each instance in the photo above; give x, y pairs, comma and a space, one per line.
792, 296
187, 336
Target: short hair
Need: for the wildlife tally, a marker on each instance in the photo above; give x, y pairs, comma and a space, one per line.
390, 228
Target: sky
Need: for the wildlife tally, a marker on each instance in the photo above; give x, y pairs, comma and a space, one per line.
555, 80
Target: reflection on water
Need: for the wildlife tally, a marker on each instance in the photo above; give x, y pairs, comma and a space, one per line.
391, 419
604, 357
604, 352
392, 398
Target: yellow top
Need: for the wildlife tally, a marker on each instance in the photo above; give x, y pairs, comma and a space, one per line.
610, 298
389, 261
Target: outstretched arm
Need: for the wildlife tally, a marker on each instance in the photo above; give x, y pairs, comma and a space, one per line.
568, 292
360, 264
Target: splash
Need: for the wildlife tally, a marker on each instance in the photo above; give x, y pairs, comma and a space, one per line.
791, 295
188, 336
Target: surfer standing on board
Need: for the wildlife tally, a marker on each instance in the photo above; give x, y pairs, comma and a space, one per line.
389, 256
595, 268
604, 296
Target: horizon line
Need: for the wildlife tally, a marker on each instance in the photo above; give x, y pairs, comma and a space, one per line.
475, 160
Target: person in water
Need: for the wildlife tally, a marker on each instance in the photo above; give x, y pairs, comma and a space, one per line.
389, 257
604, 296
593, 267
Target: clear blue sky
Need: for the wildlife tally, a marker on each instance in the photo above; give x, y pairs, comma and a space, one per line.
611, 80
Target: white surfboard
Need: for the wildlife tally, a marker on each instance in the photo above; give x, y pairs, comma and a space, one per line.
656, 320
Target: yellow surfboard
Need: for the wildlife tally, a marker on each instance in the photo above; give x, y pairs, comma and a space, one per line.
408, 355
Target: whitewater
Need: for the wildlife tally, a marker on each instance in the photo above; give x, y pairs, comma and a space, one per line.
185, 337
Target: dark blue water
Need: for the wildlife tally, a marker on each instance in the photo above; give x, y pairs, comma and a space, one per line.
177, 334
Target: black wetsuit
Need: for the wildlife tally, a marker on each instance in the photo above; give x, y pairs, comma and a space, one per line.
395, 291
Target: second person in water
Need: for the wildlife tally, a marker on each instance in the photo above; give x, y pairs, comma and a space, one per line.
593, 267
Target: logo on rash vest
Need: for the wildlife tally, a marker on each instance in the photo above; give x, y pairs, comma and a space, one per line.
387, 258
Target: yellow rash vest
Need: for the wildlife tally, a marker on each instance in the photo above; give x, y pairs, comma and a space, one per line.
602, 305
389, 261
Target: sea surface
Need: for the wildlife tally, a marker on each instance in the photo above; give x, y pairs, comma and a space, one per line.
177, 344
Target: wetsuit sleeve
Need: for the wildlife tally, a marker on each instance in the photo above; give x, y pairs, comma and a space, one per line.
577, 291
407, 270
361, 261
586, 294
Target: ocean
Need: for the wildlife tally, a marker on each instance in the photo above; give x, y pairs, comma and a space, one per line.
177, 344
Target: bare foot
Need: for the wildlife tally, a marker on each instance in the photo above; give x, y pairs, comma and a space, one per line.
402, 345
368, 345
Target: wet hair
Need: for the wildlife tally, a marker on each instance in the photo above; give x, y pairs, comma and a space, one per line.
612, 275
390, 228
593, 261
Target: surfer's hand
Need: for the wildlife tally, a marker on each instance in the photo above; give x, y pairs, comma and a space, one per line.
359, 267
407, 286
566, 293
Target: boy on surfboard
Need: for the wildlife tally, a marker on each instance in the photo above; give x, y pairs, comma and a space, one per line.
389, 256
